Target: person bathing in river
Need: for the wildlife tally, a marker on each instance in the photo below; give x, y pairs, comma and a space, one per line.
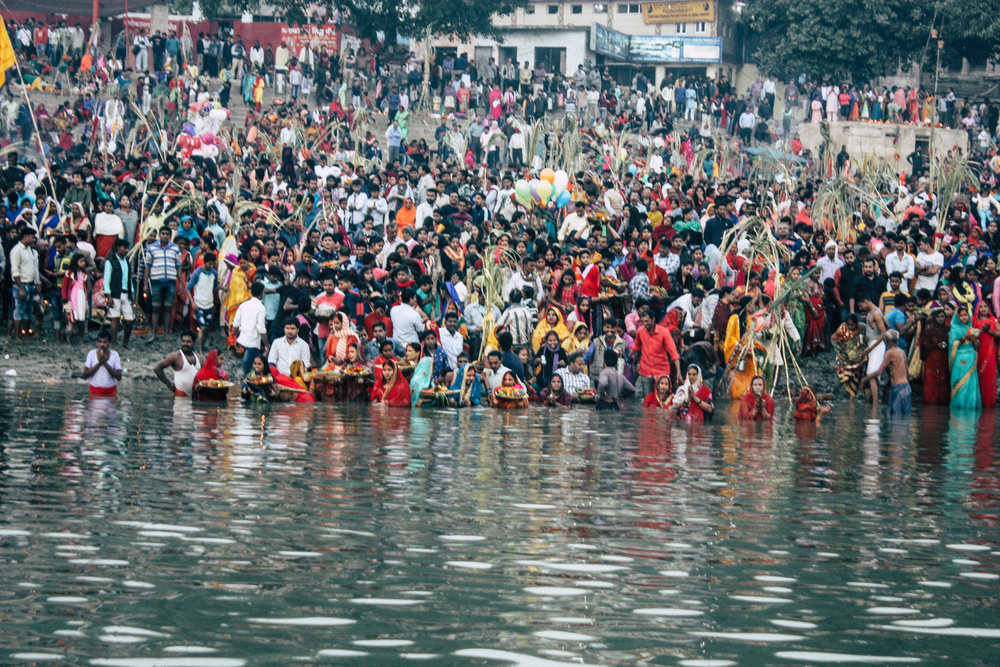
103, 368
185, 365
900, 398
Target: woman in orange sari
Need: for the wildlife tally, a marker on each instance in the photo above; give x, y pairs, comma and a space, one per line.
342, 334
454, 252
741, 364
406, 216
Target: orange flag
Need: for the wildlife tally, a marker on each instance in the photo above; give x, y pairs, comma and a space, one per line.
7, 57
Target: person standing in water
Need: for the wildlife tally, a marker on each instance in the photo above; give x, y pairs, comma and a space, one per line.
103, 368
900, 397
185, 365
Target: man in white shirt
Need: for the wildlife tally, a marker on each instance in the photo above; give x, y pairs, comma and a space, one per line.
291, 348
451, 339
575, 226
426, 208
103, 368
358, 204
829, 263
928, 266
406, 320
379, 209
900, 260
24, 274
250, 326
525, 276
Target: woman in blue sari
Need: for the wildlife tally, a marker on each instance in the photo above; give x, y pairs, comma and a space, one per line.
468, 386
423, 379
962, 343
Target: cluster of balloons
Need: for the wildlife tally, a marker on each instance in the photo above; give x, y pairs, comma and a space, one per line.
206, 145
550, 186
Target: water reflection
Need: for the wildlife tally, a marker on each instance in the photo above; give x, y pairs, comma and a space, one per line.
161, 530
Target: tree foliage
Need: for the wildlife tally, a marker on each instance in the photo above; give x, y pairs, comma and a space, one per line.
463, 19
838, 39
863, 39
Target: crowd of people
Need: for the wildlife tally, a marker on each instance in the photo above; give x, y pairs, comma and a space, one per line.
339, 272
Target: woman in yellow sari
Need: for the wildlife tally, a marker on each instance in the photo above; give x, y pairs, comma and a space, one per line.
579, 341
491, 343
742, 366
239, 291
553, 321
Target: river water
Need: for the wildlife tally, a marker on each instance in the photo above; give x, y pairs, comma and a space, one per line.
153, 532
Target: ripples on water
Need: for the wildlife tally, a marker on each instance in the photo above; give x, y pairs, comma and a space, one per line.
154, 533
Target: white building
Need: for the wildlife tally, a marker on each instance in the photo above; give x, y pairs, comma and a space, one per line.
691, 37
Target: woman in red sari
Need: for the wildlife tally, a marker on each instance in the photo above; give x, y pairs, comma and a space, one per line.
391, 388
662, 395
989, 327
934, 353
756, 405
210, 370
813, 340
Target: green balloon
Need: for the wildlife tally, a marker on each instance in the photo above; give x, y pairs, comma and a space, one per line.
523, 190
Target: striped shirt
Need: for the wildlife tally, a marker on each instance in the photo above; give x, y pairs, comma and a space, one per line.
517, 320
163, 261
574, 382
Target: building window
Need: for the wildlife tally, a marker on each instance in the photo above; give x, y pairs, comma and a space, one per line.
700, 26
600, 9
629, 9
682, 28
576, 9
529, 9
553, 9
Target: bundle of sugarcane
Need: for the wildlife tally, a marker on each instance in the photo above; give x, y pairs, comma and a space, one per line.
950, 174
362, 119
491, 280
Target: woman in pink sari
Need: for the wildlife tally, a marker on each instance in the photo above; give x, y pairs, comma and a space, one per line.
496, 103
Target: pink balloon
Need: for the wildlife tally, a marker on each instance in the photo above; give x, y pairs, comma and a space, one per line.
208, 138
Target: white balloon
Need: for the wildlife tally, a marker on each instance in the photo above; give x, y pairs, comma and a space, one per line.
218, 114
111, 147
210, 151
560, 182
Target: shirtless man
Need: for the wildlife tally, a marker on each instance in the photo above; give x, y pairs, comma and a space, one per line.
875, 330
184, 363
900, 399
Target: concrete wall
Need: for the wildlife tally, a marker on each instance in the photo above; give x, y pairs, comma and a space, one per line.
892, 143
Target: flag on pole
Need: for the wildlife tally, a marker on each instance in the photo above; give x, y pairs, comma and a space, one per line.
7, 57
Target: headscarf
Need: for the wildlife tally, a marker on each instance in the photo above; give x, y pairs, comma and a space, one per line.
491, 340
681, 395
933, 335
422, 379
543, 329
336, 344
391, 388
956, 333
587, 319
210, 369
572, 344
475, 390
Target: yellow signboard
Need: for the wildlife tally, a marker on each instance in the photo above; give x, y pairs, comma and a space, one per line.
686, 11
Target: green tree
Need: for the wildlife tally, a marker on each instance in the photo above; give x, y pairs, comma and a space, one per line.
463, 19
839, 39
970, 29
